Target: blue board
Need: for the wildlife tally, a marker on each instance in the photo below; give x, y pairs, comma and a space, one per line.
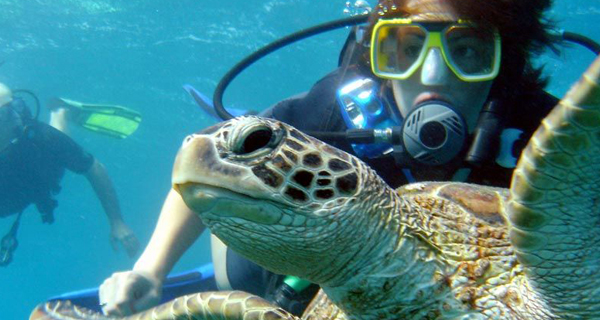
191, 281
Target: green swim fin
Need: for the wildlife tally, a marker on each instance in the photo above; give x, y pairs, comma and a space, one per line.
112, 120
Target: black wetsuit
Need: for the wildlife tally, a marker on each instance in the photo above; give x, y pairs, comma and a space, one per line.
318, 110
32, 167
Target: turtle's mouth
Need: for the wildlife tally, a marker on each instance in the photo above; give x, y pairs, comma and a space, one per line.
220, 190
216, 203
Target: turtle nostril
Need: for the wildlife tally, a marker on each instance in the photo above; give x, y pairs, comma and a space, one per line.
256, 140
187, 140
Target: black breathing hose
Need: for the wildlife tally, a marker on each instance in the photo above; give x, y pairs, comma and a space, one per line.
35, 98
257, 55
582, 40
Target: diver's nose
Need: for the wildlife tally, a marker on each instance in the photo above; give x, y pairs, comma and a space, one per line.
434, 70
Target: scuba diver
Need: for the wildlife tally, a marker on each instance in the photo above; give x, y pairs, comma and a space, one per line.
447, 91
34, 156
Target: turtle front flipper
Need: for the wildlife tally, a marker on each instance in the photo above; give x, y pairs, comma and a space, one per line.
222, 305
554, 207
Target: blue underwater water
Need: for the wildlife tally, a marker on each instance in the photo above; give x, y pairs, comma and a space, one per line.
139, 54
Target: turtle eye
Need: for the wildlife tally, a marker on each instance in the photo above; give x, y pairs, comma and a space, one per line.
258, 138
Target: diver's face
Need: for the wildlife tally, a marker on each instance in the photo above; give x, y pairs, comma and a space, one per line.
9, 123
434, 80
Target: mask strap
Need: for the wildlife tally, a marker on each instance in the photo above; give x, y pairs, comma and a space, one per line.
9, 242
344, 61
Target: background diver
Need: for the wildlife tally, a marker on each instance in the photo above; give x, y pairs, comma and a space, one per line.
34, 156
456, 76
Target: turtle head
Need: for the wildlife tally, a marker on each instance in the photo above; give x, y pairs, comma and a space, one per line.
277, 196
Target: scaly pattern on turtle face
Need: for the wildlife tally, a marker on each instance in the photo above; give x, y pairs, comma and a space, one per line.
254, 178
297, 168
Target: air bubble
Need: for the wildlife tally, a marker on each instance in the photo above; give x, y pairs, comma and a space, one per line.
359, 7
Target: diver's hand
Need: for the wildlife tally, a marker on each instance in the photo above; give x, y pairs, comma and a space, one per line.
126, 293
121, 233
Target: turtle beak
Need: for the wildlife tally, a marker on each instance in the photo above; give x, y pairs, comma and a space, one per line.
198, 164
208, 183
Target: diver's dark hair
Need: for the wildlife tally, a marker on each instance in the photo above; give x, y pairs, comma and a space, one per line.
523, 29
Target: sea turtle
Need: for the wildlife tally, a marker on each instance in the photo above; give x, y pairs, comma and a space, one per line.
425, 251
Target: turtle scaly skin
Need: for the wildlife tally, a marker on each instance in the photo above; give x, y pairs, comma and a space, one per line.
425, 251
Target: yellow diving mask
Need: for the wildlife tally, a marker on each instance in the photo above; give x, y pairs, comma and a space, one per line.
399, 47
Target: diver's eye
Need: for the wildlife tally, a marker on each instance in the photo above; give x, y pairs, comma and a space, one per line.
257, 139
464, 52
412, 51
